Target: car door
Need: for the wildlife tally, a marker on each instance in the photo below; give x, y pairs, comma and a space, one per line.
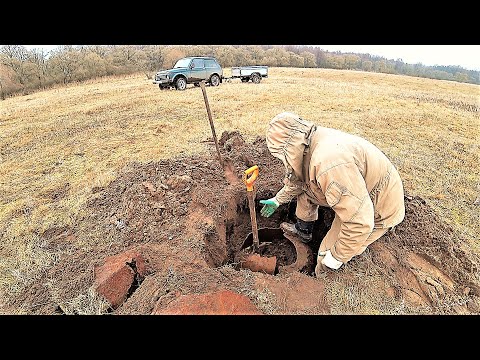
210, 67
197, 70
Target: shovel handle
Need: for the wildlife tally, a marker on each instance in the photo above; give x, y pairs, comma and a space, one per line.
249, 180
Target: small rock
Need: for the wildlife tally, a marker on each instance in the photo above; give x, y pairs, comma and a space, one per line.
223, 302
120, 224
115, 277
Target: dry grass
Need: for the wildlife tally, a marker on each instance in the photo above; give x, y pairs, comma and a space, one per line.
56, 145
89, 303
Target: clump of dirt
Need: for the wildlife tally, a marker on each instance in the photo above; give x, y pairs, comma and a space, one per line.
188, 218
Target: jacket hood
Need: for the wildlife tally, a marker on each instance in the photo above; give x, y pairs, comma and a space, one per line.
287, 136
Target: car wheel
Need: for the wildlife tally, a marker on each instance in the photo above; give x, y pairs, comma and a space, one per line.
214, 80
255, 78
181, 83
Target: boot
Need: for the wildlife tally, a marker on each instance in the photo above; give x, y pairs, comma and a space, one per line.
301, 229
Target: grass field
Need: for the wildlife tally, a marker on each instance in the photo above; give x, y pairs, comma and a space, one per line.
56, 145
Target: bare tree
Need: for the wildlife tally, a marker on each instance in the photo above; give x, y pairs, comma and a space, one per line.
125, 55
150, 59
100, 50
64, 60
16, 57
8, 83
38, 57
2, 94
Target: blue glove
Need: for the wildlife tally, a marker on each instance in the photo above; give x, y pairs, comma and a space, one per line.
269, 207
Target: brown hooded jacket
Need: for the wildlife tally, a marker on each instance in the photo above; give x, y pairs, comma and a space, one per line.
338, 170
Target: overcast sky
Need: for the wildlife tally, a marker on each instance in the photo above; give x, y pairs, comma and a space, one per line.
466, 56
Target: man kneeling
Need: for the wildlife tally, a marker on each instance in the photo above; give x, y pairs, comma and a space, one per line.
330, 168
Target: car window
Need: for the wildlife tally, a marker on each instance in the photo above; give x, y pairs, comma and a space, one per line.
210, 63
198, 64
182, 63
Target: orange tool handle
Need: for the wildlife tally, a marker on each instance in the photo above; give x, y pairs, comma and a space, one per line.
250, 180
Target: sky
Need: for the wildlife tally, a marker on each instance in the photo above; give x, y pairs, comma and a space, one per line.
466, 56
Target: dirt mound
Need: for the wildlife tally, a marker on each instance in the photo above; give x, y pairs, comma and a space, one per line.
188, 218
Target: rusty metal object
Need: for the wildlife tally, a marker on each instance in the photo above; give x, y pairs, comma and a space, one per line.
304, 261
304, 256
258, 263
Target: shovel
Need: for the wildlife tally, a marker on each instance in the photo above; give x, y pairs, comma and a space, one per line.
255, 261
249, 181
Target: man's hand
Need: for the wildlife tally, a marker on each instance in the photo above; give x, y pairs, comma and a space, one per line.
325, 261
269, 207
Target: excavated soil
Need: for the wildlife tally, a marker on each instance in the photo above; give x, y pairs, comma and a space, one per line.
283, 249
188, 218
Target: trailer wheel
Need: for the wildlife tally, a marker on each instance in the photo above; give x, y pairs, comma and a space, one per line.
256, 78
244, 79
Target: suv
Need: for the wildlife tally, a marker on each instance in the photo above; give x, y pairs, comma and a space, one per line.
190, 70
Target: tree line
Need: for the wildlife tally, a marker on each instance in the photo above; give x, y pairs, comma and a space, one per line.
23, 71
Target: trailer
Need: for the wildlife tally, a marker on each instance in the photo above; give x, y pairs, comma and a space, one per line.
247, 73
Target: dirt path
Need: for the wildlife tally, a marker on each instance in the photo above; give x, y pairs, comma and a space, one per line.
188, 219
